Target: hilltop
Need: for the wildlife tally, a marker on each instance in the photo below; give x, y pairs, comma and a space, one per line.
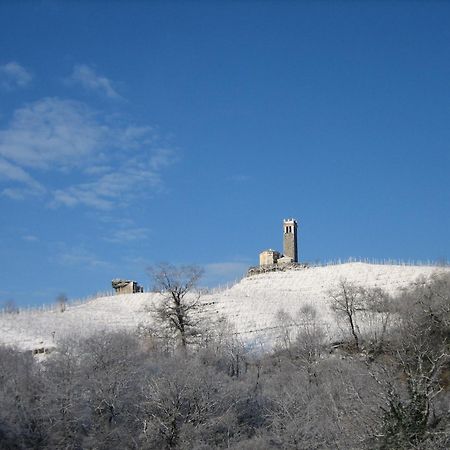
250, 305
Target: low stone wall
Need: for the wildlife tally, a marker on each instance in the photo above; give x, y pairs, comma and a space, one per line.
276, 268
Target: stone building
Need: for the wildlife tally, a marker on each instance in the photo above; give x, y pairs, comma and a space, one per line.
290, 239
126, 286
290, 249
269, 257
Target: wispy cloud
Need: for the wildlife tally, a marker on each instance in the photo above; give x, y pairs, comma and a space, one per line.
226, 268
13, 76
89, 79
30, 238
52, 133
224, 272
9, 171
97, 170
79, 256
127, 235
28, 186
110, 162
134, 177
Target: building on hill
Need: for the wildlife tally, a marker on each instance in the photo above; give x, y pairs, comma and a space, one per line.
126, 286
290, 249
290, 240
269, 257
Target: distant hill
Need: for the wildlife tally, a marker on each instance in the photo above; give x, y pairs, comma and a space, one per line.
251, 305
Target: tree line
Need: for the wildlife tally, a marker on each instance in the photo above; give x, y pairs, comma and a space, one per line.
189, 382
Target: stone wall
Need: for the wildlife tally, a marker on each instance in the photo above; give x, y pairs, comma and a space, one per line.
276, 268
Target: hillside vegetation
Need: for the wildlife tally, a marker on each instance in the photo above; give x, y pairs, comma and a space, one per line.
347, 357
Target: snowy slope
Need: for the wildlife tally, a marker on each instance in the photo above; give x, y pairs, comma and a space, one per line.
251, 305
36, 329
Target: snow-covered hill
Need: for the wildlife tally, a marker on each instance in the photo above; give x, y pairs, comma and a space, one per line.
251, 305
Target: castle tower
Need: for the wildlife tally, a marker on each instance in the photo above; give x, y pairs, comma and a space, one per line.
290, 239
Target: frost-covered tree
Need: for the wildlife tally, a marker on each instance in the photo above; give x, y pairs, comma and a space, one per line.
178, 312
417, 402
61, 302
10, 307
346, 301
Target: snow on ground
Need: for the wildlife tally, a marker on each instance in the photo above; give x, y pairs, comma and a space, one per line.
251, 305
33, 329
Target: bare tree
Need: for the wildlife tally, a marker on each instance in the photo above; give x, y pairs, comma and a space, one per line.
61, 301
302, 337
287, 326
413, 368
310, 338
346, 301
188, 405
178, 311
22, 421
378, 316
225, 350
10, 307
339, 410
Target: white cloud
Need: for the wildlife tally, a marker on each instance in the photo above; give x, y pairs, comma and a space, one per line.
108, 163
13, 75
15, 194
116, 188
126, 235
224, 272
9, 171
226, 268
80, 195
52, 132
19, 193
87, 77
30, 238
161, 158
79, 256
97, 170
28, 185
134, 136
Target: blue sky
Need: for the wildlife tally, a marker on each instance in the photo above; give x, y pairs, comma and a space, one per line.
138, 132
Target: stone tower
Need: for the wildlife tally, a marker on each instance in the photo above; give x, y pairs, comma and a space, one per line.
290, 239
